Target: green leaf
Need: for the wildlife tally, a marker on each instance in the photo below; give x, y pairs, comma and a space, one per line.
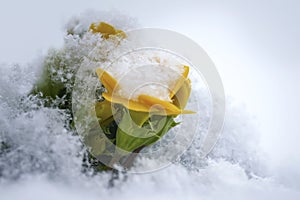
131, 137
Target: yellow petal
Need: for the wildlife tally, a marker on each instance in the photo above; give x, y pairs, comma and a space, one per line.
180, 99
180, 82
107, 80
130, 104
121, 33
164, 106
152, 101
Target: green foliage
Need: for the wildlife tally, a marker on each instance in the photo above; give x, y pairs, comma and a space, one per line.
57, 77
131, 137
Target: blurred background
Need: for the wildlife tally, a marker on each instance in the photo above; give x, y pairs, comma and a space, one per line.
254, 44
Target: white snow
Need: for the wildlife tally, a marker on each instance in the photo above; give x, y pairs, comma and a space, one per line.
45, 161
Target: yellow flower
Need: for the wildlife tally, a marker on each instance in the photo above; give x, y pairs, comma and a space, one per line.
145, 103
106, 30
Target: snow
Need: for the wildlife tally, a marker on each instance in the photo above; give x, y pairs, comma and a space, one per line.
45, 161
148, 72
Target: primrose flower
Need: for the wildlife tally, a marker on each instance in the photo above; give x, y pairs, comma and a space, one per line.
106, 30
146, 94
141, 108
179, 95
